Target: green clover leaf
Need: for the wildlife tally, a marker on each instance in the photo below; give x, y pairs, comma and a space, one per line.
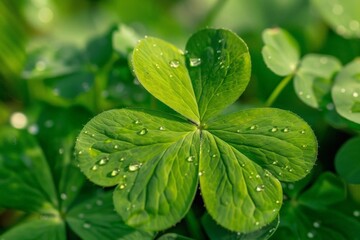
156, 159
343, 16
346, 91
313, 74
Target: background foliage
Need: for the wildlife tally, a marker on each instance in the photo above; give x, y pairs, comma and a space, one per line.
63, 63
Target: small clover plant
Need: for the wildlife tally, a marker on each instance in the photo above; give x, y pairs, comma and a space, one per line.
156, 159
316, 76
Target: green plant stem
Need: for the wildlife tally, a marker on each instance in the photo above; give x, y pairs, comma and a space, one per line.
193, 225
275, 94
214, 11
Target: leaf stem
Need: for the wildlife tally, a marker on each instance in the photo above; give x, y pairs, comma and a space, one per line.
275, 94
193, 225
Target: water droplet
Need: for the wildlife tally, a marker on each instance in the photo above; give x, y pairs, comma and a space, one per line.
260, 188
310, 235
18, 120
330, 106
354, 25
275, 162
86, 225
356, 213
122, 186
137, 122
201, 173
257, 176
285, 130
257, 223
174, 63
302, 131
99, 202
355, 94
250, 177
190, 158
154, 45
253, 127
280, 173
274, 129
307, 170
116, 146
194, 62
304, 146
243, 164
122, 159
214, 155
238, 131
142, 132
171, 76
134, 167
316, 224
343, 90
337, 9
162, 128
220, 41
307, 96
61, 151
80, 152
103, 161
277, 202
161, 53
63, 196
301, 93
157, 66
33, 129
114, 172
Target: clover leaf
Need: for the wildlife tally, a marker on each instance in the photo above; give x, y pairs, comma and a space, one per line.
346, 91
156, 159
313, 74
346, 161
313, 212
342, 15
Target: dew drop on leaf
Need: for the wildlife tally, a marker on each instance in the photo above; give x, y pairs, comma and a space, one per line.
190, 158
174, 63
95, 167
201, 173
63, 196
194, 62
80, 152
142, 132
356, 213
136, 122
253, 127
260, 188
274, 129
116, 146
310, 235
355, 94
162, 128
86, 225
302, 131
122, 159
286, 130
134, 167
114, 172
122, 186
214, 156
316, 224
337, 9
257, 223
103, 161
277, 202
